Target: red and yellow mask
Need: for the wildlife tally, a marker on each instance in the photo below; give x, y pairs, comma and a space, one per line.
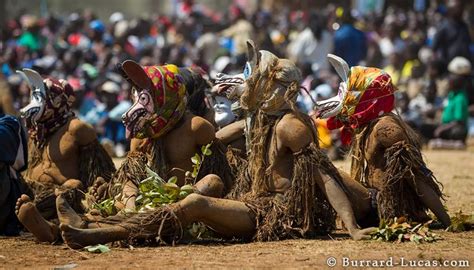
365, 94
159, 96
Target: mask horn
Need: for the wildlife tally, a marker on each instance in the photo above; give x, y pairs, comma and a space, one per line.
252, 53
36, 81
341, 66
24, 77
136, 74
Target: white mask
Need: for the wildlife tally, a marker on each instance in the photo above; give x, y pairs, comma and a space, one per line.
223, 114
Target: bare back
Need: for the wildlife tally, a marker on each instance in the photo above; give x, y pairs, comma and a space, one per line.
384, 134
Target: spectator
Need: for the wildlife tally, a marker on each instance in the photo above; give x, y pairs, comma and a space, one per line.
349, 42
240, 31
452, 132
312, 45
452, 37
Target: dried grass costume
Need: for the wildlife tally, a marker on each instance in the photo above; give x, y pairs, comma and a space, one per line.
49, 110
366, 95
303, 210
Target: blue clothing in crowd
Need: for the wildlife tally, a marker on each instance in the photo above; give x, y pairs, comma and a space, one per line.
350, 44
13, 159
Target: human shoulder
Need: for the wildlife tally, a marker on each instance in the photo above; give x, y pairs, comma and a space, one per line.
82, 132
293, 132
388, 131
202, 130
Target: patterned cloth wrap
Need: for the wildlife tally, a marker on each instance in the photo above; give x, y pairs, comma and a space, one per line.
169, 100
370, 94
58, 101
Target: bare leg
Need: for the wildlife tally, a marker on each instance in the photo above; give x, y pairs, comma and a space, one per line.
210, 185
31, 218
340, 202
79, 238
229, 218
73, 184
431, 200
358, 196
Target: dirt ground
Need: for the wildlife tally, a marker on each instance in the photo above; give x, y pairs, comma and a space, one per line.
452, 168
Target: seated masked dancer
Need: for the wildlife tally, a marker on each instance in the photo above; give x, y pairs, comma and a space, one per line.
224, 98
293, 185
64, 154
165, 136
386, 156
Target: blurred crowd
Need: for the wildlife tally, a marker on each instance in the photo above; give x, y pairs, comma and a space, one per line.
427, 52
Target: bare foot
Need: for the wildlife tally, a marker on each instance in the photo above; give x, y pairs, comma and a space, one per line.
98, 189
363, 234
31, 218
76, 238
66, 214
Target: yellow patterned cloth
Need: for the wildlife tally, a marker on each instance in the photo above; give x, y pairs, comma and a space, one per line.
169, 97
370, 94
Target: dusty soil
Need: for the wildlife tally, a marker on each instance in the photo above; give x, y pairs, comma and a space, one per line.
453, 169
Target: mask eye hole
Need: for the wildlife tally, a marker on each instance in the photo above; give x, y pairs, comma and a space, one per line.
144, 99
37, 95
247, 70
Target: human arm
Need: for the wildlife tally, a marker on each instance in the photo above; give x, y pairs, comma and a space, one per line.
231, 132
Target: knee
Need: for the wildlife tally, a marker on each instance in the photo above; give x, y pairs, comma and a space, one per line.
211, 185
195, 201
73, 184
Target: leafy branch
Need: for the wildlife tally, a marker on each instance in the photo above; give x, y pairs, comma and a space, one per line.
198, 160
399, 230
154, 191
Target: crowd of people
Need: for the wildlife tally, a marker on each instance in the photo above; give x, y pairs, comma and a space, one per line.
427, 53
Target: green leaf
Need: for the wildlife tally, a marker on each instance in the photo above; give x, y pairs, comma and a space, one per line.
187, 188
182, 195
173, 180
205, 150
153, 174
97, 248
196, 159
171, 186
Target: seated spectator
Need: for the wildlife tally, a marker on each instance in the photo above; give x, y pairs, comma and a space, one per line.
452, 132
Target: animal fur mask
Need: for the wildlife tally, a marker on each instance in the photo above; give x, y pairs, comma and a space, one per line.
159, 96
364, 94
50, 104
271, 84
